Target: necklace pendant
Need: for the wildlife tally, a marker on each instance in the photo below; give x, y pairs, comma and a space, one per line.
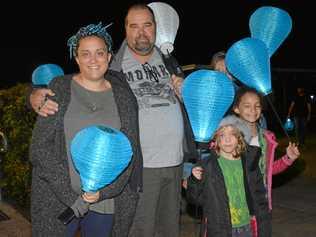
93, 108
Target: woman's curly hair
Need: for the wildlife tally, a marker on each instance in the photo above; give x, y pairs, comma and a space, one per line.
90, 30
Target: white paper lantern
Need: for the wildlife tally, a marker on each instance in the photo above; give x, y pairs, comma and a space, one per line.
167, 20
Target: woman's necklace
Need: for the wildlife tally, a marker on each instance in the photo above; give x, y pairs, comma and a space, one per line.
92, 96
92, 105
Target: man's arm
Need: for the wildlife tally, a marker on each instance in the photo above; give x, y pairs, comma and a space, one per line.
309, 109
291, 108
41, 104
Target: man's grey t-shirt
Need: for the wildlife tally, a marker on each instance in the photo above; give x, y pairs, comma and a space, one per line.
160, 116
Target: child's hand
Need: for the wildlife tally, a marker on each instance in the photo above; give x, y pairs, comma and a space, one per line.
185, 183
197, 172
292, 151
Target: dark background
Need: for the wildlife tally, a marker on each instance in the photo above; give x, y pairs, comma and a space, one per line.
36, 33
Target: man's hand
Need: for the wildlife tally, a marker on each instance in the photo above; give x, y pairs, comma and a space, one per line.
176, 83
41, 104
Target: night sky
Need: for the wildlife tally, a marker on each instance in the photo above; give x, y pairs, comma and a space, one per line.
33, 37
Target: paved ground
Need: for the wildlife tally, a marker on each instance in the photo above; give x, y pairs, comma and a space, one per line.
294, 208
294, 203
16, 226
294, 213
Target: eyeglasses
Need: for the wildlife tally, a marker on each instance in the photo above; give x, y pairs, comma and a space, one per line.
149, 70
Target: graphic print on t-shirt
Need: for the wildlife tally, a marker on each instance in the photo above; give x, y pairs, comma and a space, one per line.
151, 86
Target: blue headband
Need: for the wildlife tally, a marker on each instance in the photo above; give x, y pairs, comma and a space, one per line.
89, 30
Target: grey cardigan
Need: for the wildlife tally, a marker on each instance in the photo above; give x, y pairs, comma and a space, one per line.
51, 188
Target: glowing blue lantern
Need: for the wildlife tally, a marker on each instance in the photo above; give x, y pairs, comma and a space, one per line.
100, 154
289, 125
207, 95
43, 74
271, 25
248, 60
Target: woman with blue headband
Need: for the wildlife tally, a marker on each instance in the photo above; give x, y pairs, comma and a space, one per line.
94, 95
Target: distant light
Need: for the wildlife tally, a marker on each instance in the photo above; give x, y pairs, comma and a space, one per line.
312, 97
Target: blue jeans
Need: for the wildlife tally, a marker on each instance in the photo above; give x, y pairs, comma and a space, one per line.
243, 231
91, 225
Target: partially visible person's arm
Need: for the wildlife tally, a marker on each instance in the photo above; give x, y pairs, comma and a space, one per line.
261, 208
176, 83
292, 153
291, 108
309, 108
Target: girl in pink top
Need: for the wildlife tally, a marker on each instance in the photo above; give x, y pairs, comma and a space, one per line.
248, 108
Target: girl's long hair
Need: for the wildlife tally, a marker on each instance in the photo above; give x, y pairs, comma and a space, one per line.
241, 144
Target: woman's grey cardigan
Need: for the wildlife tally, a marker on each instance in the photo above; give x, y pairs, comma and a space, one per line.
51, 188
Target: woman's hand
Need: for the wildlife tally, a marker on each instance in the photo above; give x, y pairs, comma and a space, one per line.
91, 197
292, 151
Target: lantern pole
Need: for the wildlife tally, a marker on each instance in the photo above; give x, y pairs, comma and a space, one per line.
278, 118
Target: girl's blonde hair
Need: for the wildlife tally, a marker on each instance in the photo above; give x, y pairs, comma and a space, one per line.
241, 144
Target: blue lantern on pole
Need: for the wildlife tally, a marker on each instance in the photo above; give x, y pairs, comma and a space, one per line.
100, 154
289, 125
272, 25
207, 95
248, 60
43, 74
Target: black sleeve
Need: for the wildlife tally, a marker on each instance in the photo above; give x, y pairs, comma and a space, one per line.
260, 201
195, 189
189, 145
172, 65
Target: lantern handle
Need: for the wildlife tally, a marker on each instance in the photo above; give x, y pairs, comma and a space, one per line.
278, 118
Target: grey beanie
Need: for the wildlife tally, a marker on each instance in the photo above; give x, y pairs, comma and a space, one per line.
238, 123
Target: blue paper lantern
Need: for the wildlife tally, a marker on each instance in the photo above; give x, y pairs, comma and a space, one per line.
43, 74
248, 60
289, 125
271, 25
207, 95
100, 154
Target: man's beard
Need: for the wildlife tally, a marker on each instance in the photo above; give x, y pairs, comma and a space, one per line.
144, 48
